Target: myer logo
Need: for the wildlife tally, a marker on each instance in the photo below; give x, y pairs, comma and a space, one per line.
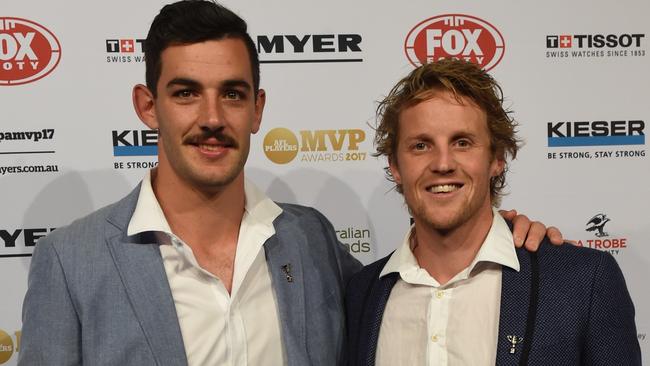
455, 36
28, 51
309, 48
281, 145
596, 133
20, 242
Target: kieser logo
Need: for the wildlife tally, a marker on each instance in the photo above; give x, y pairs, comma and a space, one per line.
596, 225
124, 50
596, 133
28, 51
135, 143
7, 346
281, 145
455, 36
594, 45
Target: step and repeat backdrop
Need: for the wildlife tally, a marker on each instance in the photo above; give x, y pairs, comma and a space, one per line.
576, 74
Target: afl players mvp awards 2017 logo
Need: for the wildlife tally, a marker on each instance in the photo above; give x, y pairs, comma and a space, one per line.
455, 36
28, 51
7, 345
282, 145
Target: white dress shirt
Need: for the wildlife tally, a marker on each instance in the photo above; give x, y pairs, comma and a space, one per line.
425, 323
218, 328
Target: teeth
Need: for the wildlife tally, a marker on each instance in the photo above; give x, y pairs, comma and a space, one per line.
444, 188
210, 147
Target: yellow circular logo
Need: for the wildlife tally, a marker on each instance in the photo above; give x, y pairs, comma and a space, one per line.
6, 347
280, 145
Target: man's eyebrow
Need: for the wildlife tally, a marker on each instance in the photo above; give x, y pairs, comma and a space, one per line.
232, 83
183, 82
464, 133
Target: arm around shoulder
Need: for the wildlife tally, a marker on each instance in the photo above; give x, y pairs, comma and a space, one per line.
611, 337
51, 331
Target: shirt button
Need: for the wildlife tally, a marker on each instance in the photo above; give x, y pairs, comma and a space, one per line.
440, 294
434, 338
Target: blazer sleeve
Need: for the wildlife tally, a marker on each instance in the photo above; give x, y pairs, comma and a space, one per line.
611, 336
51, 332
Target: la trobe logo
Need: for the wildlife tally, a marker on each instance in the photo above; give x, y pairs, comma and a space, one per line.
455, 36
28, 51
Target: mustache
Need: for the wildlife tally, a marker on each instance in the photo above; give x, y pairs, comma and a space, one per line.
206, 134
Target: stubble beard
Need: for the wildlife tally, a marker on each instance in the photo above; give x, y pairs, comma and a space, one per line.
445, 223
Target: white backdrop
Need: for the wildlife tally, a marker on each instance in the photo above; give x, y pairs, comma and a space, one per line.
582, 64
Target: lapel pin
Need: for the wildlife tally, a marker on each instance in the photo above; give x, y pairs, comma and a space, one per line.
286, 268
514, 341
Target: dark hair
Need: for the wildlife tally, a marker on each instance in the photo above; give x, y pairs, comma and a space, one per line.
193, 21
462, 79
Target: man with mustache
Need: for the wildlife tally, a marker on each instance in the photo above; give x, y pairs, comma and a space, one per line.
195, 266
456, 292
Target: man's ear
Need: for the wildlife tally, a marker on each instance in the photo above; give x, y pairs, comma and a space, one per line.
144, 104
394, 170
260, 101
498, 165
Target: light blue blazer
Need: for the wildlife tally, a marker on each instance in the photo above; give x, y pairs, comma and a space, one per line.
97, 296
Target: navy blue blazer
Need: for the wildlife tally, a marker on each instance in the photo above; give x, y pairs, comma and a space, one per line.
569, 304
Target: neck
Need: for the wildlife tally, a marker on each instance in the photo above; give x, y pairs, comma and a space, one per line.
198, 216
445, 253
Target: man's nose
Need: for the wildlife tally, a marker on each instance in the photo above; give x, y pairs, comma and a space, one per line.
442, 160
212, 114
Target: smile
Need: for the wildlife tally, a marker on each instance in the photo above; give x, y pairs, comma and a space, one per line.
211, 147
444, 188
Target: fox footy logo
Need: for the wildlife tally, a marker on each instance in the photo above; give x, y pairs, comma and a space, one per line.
28, 51
455, 36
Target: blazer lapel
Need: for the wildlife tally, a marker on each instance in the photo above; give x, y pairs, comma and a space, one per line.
285, 265
515, 301
139, 264
372, 317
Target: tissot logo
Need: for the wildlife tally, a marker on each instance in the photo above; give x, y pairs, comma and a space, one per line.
309, 48
594, 40
124, 50
596, 133
135, 143
124, 45
28, 51
455, 36
564, 46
